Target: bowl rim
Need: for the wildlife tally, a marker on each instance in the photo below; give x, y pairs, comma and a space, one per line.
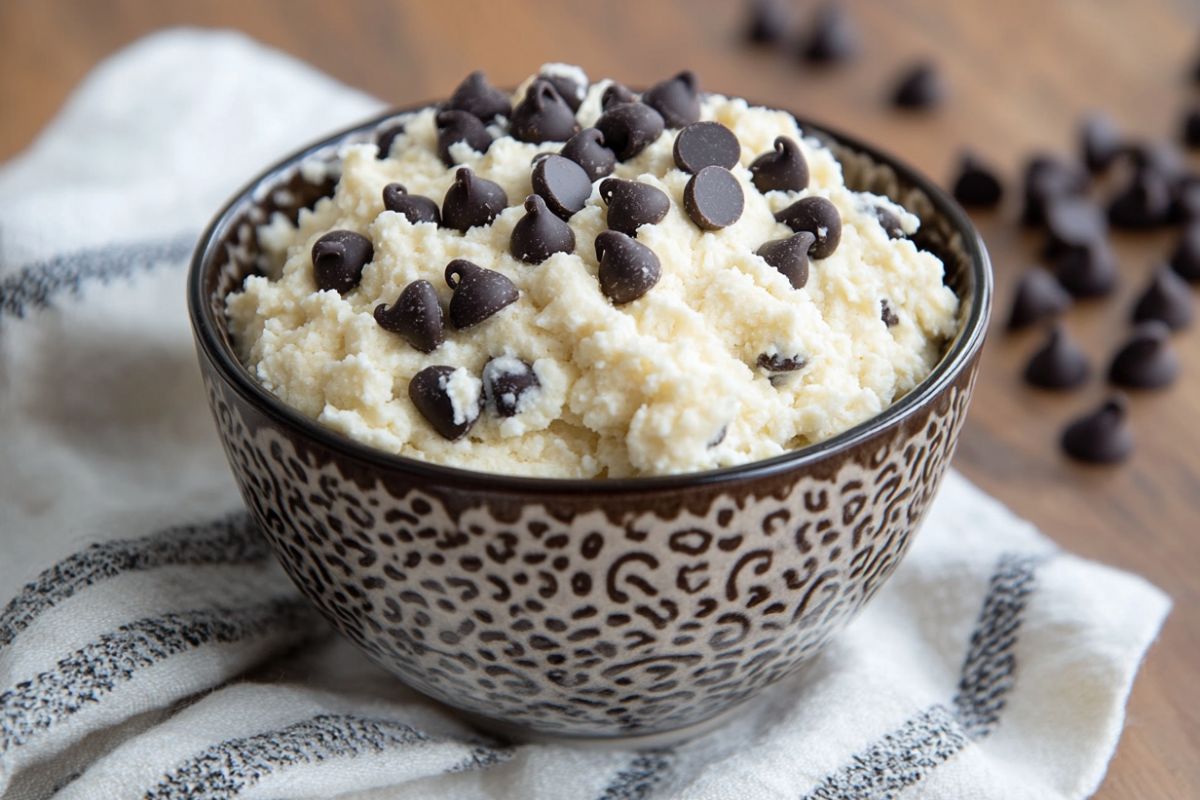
964, 346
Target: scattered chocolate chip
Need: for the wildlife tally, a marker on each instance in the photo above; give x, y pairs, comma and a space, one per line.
587, 149
632, 204
819, 217
471, 201
886, 314
976, 185
705, 144
1145, 202
616, 94
713, 198
1047, 178
384, 138
1101, 436
629, 128
1185, 198
1058, 363
1038, 296
543, 116
562, 183
783, 169
416, 208
790, 256
1190, 129
676, 99
918, 87
767, 21
416, 316
1087, 270
570, 90
1186, 258
628, 269
1158, 156
459, 126
777, 362
506, 381
429, 391
832, 38
480, 99
890, 222
1100, 142
1072, 221
478, 292
1146, 360
1167, 298
540, 233
338, 259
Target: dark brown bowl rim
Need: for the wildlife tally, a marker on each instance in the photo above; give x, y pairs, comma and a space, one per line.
966, 343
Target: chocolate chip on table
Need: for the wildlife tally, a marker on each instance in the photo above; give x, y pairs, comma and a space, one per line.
767, 21
1038, 296
628, 269
416, 208
478, 293
919, 87
1146, 360
777, 362
887, 314
1072, 221
338, 259
782, 169
1144, 202
1167, 298
819, 217
1186, 258
570, 90
1189, 132
460, 126
384, 138
676, 99
976, 185
563, 184
790, 256
587, 149
832, 38
616, 94
713, 198
540, 233
1087, 270
1058, 363
629, 128
632, 204
429, 391
471, 201
506, 381
416, 316
1048, 178
1100, 142
543, 116
479, 98
890, 222
1101, 436
706, 144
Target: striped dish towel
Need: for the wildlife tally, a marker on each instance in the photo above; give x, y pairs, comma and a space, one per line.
150, 647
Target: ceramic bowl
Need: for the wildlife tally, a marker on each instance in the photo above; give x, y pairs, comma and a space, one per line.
587, 608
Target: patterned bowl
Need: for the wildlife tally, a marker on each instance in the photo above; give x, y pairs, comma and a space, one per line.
587, 608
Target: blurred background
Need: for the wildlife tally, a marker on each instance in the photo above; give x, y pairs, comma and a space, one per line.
1019, 77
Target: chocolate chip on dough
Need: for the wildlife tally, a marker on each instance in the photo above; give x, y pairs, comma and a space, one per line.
713, 198
783, 169
460, 126
890, 222
777, 362
562, 183
570, 90
384, 138
416, 316
628, 269
429, 391
416, 208
338, 259
632, 204
471, 201
887, 314
587, 149
543, 116
479, 98
677, 99
819, 217
629, 128
616, 94
506, 381
540, 233
789, 256
478, 293
705, 144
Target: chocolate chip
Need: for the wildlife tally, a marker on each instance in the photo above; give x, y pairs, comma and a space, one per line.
832, 39
704, 144
718, 437
416, 316
1186, 258
819, 217
1047, 178
1190, 129
628, 269
1185, 198
890, 222
783, 169
480, 99
886, 314
1087, 270
1058, 363
416, 208
478, 292
587, 149
777, 362
471, 201
563, 184
676, 99
1146, 360
1167, 298
976, 185
632, 204
543, 116
713, 198
789, 256
918, 87
1100, 142
570, 90
630, 128
767, 21
1038, 296
338, 259
1145, 202
616, 94
540, 234
384, 138
429, 391
1072, 222
1101, 436
459, 126
506, 382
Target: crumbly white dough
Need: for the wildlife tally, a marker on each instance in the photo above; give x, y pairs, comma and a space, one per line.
665, 384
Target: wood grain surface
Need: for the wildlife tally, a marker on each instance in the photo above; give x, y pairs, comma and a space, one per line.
1021, 72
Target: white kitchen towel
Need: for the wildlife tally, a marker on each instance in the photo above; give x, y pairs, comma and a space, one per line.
150, 648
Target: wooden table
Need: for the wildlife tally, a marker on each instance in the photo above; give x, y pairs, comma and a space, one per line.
1021, 73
